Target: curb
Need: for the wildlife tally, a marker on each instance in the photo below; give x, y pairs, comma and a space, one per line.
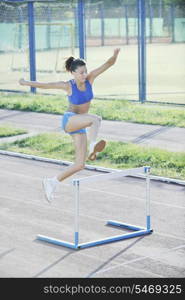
87, 167
17, 137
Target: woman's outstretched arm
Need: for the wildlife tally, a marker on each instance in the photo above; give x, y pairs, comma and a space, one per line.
111, 61
64, 85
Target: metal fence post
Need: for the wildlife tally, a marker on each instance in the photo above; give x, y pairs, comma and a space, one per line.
126, 24
172, 13
151, 14
31, 33
48, 29
141, 50
81, 28
101, 9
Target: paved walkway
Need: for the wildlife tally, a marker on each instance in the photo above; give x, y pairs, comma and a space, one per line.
164, 137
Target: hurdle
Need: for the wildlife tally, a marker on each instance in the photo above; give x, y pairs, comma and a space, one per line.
135, 230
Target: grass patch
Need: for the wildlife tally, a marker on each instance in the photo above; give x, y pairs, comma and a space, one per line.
109, 110
116, 155
7, 130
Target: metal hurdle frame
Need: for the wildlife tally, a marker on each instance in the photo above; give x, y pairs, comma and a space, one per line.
136, 230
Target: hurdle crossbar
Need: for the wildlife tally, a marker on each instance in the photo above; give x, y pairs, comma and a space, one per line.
109, 176
136, 230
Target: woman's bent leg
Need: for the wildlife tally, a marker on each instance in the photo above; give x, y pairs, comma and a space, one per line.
94, 128
86, 120
81, 121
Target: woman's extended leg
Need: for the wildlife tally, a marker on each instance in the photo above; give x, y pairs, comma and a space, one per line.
80, 142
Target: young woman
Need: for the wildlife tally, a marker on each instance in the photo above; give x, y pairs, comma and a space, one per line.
77, 118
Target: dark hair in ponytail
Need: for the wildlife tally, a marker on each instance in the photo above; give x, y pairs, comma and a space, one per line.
72, 64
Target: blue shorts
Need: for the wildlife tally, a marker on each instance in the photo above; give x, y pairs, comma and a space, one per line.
65, 119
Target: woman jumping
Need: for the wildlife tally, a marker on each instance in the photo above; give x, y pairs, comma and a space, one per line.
76, 118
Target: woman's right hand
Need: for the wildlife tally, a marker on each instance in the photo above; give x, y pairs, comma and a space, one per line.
22, 81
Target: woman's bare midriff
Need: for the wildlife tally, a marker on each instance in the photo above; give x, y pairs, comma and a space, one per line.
79, 109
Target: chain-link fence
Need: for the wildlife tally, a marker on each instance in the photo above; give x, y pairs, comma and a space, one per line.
108, 24
111, 24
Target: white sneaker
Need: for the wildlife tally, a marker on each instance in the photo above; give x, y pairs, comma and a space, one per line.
49, 187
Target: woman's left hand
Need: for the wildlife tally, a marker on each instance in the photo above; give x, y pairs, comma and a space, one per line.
116, 51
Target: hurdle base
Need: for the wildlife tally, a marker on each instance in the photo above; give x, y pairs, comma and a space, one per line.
126, 225
137, 231
56, 241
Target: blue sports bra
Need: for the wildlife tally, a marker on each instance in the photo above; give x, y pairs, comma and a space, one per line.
79, 97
